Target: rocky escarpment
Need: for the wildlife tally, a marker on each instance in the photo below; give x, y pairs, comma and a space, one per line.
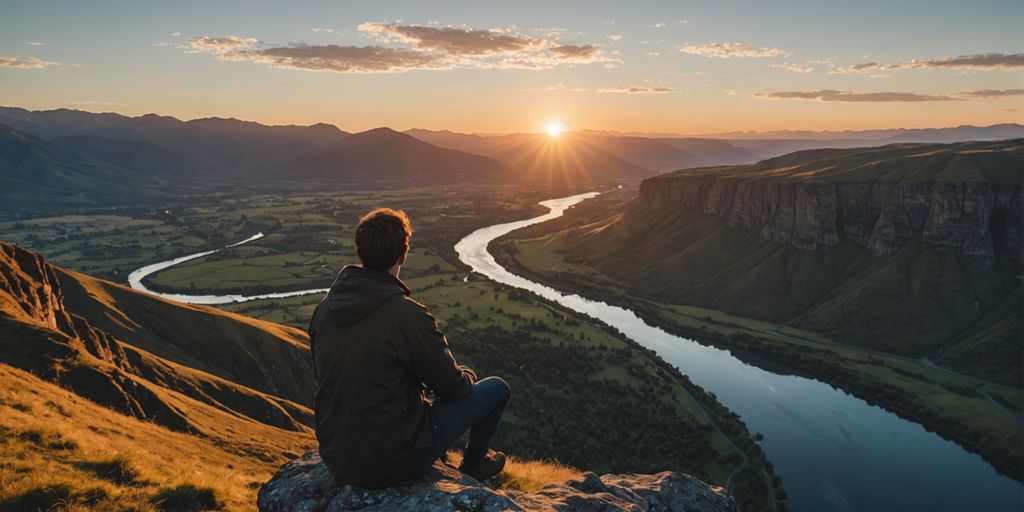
963, 198
306, 485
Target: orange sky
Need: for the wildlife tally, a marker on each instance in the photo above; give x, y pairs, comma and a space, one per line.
478, 67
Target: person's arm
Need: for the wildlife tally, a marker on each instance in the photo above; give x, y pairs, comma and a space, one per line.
311, 330
431, 360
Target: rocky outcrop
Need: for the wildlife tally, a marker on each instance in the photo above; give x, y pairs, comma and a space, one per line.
961, 198
306, 485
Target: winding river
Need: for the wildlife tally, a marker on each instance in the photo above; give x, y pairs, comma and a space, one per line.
833, 451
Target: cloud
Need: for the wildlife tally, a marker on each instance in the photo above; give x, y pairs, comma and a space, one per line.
342, 59
615, 37
175, 34
451, 40
796, 68
978, 62
727, 50
29, 63
992, 93
425, 47
660, 24
575, 51
637, 90
853, 97
865, 67
218, 45
34, 43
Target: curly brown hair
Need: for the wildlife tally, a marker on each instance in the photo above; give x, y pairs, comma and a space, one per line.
382, 238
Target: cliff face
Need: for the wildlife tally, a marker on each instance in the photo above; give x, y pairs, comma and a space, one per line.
964, 199
305, 485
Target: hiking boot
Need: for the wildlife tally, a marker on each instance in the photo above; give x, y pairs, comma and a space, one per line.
490, 465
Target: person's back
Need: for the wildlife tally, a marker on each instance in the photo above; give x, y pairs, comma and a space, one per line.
374, 350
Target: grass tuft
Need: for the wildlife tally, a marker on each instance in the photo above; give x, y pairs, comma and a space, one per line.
47, 439
118, 469
532, 475
53, 496
525, 476
186, 498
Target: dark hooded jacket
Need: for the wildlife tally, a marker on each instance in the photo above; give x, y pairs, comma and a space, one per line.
374, 350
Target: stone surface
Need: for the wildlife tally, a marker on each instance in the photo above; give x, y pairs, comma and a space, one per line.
306, 485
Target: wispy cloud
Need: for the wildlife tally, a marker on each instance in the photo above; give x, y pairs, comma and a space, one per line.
830, 95
34, 43
28, 63
980, 62
992, 93
422, 47
977, 62
615, 37
219, 45
728, 50
637, 90
864, 67
452, 40
796, 68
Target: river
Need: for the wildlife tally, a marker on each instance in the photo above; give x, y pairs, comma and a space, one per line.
833, 451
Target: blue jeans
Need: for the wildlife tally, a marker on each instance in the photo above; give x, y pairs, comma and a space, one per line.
480, 412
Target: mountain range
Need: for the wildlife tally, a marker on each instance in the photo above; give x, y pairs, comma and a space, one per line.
78, 158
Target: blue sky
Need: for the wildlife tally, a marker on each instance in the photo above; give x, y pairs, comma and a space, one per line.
683, 67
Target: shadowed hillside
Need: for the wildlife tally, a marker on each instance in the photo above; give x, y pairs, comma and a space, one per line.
383, 154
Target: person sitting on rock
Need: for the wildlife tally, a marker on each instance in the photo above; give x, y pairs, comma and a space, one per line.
377, 355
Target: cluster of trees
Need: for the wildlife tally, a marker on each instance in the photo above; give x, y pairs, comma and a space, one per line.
560, 411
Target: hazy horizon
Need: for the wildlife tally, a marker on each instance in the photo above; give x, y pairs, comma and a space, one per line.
541, 130
496, 68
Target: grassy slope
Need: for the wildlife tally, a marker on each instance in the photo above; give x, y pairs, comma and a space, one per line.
56, 445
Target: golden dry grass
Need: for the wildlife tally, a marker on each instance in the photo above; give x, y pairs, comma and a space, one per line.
61, 452
526, 475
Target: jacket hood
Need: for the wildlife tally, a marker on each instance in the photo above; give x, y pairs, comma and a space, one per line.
358, 291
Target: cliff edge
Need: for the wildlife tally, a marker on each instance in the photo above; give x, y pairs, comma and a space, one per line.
306, 485
964, 198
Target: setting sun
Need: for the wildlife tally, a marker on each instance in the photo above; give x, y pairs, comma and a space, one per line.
554, 129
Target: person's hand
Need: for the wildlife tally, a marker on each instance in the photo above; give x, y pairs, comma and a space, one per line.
469, 371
